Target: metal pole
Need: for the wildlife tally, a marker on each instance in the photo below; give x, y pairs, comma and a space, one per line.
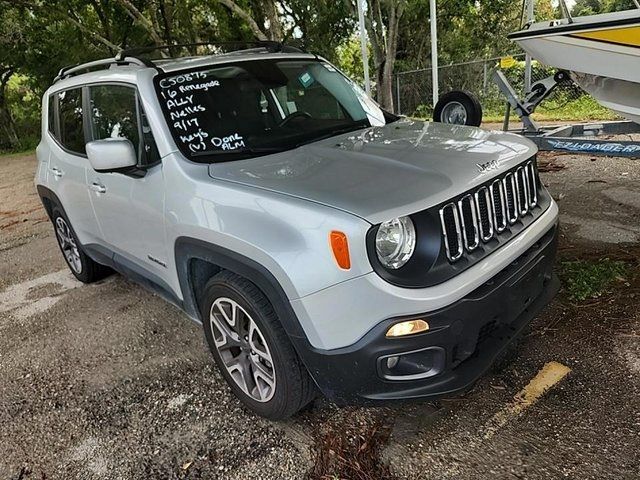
398, 112
363, 46
527, 61
565, 11
485, 76
434, 50
507, 115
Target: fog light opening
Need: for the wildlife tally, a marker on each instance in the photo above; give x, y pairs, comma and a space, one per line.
409, 327
392, 362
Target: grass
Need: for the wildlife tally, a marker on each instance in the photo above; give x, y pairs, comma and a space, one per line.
583, 109
588, 279
4, 154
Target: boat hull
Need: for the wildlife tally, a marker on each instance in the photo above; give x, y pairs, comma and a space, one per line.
585, 56
601, 51
618, 95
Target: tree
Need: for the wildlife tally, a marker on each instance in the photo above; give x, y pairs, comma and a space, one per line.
9, 137
545, 10
382, 21
11, 51
467, 30
586, 7
618, 5
319, 26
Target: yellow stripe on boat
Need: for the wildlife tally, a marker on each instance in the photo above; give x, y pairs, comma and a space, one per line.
621, 36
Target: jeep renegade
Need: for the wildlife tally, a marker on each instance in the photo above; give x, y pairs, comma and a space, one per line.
323, 243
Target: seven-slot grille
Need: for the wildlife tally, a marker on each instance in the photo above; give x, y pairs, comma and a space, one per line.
480, 215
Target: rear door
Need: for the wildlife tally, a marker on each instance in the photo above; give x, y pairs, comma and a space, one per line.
128, 205
68, 163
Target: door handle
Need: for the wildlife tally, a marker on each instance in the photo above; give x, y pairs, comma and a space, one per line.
57, 172
96, 187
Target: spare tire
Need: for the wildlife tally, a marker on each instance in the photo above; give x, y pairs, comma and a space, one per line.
458, 107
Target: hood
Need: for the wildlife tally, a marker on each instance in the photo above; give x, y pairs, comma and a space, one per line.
383, 172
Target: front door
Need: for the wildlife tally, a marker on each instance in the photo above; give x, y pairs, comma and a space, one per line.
128, 205
68, 164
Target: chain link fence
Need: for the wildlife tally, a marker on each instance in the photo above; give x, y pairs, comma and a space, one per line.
414, 97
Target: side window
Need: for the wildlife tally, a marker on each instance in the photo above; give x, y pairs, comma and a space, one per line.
70, 112
114, 113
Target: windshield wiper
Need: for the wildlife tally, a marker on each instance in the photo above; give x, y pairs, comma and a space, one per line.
239, 151
337, 131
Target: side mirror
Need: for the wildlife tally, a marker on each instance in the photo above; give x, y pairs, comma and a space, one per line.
111, 154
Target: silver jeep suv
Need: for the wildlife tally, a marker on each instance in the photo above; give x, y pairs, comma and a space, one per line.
323, 243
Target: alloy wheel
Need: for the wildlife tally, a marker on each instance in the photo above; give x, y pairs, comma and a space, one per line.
68, 245
243, 349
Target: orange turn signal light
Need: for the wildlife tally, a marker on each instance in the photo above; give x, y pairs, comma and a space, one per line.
340, 248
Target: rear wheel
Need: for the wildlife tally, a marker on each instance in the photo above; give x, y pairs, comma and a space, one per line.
252, 349
82, 267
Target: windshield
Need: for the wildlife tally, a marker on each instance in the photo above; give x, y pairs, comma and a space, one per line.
251, 108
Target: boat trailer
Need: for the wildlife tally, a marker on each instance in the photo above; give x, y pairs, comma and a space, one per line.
578, 138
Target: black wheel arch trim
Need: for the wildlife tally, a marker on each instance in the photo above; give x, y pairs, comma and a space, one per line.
188, 249
47, 195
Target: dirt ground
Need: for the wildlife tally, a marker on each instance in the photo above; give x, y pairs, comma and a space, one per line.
108, 381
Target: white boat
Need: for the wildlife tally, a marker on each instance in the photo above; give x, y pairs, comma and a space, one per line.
602, 53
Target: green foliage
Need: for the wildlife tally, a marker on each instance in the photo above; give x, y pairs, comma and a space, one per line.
586, 7
565, 104
38, 37
593, 7
467, 29
320, 26
545, 10
349, 59
591, 279
584, 108
25, 110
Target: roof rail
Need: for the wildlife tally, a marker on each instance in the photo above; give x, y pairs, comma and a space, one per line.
131, 56
269, 45
69, 71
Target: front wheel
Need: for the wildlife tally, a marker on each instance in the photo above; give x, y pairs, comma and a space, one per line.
252, 349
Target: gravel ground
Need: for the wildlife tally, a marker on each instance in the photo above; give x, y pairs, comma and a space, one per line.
108, 381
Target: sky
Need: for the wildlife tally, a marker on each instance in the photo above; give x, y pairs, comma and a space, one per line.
569, 3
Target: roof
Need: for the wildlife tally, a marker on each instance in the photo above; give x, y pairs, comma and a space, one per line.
175, 64
131, 59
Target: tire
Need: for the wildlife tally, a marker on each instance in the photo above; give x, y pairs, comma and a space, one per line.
458, 107
83, 268
264, 373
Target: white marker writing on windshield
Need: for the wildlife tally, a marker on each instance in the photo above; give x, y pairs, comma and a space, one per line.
180, 102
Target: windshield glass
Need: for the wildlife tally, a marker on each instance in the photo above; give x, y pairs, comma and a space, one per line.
251, 108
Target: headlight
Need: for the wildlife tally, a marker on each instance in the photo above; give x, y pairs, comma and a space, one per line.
395, 242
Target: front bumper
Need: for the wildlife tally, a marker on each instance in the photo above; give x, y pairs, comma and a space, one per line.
463, 340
